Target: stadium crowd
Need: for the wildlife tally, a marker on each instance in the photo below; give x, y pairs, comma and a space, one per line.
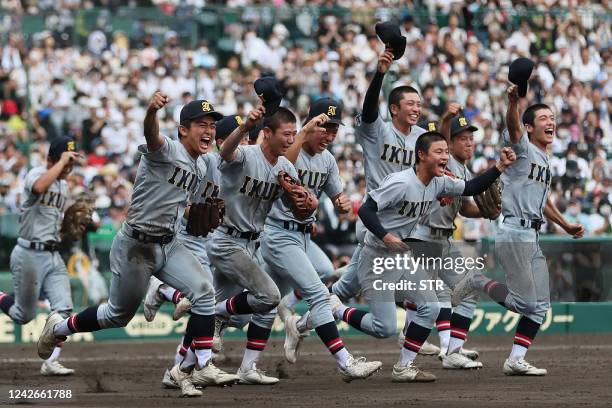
97, 92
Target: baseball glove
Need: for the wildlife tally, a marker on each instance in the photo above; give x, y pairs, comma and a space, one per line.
489, 201
76, 219
302, 202
205, 217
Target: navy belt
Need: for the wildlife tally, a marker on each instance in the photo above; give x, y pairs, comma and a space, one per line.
249, 235
50, 246
149, 239
535, 224
296, 226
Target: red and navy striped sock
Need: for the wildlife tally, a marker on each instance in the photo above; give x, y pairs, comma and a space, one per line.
526, 331
177, 296
201, 329
353, 317
415, 337
257, 337
443, 325
497, 291
6, 301
86, 321
460, 325
238, 304
443, 321
328, 333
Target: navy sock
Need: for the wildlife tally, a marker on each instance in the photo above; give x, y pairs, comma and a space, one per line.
328, 333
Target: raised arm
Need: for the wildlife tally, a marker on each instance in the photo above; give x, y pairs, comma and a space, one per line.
228, 149
43, 182
481, 183
313, 125
513, 121
445, 123
370, 102
552, 212
151, 123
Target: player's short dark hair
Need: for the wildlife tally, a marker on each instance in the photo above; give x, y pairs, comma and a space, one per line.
424, 142
529, 114
281, 116
397, 94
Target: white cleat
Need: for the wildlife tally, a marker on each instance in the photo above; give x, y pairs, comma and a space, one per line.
428, 349
211, 375
48, 340
185, 381
410, 373
54, 368
220, 325
335, 304
358, 369
283, 310
459, 361
153, 300
471, 354
168, 381
463, 289
182, 307
293, 339
522, 367
255, 376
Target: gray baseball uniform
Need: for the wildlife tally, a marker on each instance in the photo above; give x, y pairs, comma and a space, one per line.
37, 271
402, 199
386, 150
286, 242
437, 228
526, 186
166, 179
249, 186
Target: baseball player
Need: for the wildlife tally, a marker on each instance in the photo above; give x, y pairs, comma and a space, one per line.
388, 147
287, 239
525, 202
160, 292
437, 228
168, 174
249, 186
391, 213
35, 262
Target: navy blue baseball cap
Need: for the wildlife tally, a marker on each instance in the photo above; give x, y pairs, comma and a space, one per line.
59, 146
459, 124
271, 93
429, 126
198, 109
519, 74
329, 106
227, 125
390, 34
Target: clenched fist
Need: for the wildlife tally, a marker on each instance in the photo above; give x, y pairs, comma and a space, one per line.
158, 101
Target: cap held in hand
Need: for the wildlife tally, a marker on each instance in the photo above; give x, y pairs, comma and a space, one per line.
390, 34
519, 73
269, 89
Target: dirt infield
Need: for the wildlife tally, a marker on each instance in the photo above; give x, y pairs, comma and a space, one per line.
129, 374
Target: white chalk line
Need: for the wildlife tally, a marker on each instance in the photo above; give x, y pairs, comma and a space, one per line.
305, 355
